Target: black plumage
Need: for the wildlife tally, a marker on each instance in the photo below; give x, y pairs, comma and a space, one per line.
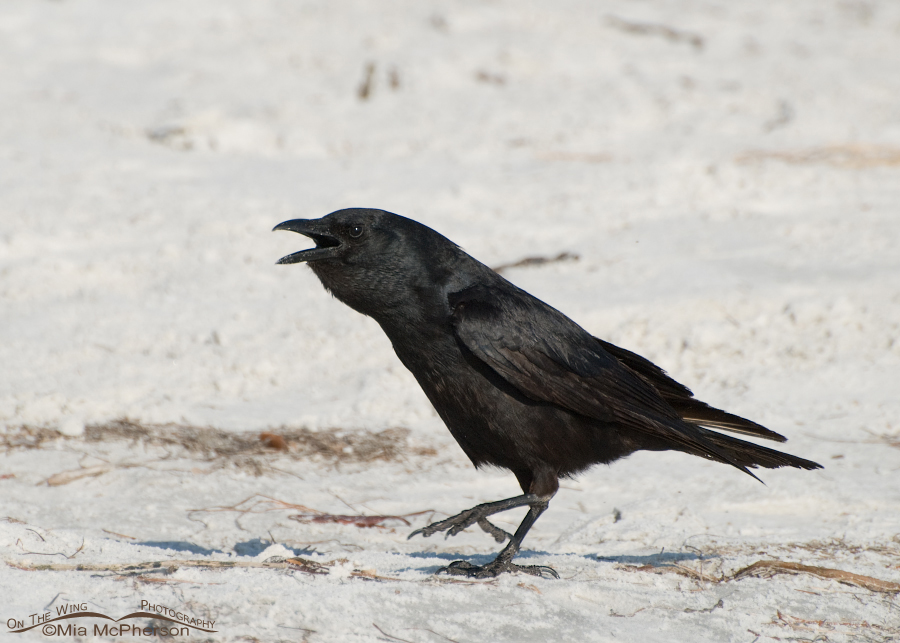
519, 385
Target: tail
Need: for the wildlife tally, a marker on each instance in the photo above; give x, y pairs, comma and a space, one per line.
738, 453
747, 454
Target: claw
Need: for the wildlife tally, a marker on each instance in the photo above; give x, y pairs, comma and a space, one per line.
494, 569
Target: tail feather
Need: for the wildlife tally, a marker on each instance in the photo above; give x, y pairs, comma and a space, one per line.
752, 455
697, 412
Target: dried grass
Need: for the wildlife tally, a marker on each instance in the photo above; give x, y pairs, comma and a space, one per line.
892, 440
168, 567
833, 547
27, 436
849, 156
210, 444
769, 568
259, 503
863, 630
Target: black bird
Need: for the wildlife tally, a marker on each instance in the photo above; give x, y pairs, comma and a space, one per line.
520, 385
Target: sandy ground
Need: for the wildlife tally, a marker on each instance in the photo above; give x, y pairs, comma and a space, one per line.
725, 178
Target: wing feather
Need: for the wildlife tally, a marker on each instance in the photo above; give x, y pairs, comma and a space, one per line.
682, 399
549, 358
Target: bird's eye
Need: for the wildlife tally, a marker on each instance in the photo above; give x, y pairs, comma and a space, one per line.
356, 231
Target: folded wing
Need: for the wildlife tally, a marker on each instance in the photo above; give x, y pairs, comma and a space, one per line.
551, 359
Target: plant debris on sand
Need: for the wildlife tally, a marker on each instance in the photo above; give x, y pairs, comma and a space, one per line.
212, 444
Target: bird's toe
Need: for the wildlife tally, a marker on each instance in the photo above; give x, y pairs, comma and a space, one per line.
494, 569
498, 534
467, 569
539, 570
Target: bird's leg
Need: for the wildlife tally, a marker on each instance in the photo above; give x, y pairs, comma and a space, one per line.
503, 562
479, 515
540, 486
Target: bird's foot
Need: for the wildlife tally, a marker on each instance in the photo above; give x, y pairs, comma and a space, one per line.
455, 524
494, 569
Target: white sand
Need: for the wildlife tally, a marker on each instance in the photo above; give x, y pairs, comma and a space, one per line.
731, 186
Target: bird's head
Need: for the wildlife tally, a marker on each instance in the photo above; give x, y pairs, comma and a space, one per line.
373, 260
339, 236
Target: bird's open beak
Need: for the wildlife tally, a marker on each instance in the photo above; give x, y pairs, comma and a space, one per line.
327, 245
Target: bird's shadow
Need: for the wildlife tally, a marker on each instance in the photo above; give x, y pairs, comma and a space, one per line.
475, 559
254, 547
249, 548
660, 559
179, 546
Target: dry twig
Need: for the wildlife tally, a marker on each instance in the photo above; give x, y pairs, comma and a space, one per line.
767, 568
390, 636
537, 261
356, 521
645, 29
